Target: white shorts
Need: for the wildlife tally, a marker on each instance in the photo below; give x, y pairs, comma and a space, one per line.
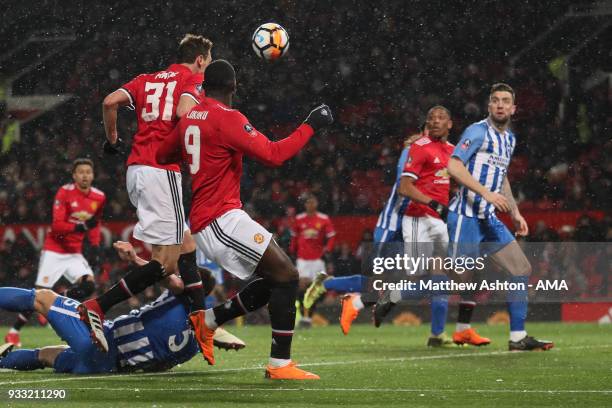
234, 242
308, 269
424, 236
157, 195
53, 266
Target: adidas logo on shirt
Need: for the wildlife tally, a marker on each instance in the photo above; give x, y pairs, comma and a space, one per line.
436, 160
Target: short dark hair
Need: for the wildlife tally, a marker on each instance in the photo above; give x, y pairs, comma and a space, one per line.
191, 46
436, 107
502, 87
81, 161
219, 76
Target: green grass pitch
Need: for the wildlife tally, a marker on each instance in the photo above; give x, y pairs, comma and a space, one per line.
386, 367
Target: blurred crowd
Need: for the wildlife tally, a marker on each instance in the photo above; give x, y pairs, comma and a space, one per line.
379, 67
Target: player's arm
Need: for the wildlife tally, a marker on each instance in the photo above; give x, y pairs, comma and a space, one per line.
186, 103
169, 151
468, 146
243, 137
330, 235
522, 228
60, 223
190, 95
110, 106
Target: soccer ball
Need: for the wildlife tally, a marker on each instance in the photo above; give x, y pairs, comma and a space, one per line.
270, 41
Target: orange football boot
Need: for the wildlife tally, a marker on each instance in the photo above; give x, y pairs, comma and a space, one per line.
349, 313
469, 336
204, 336
289, 372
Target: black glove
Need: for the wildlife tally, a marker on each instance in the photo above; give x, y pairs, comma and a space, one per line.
113, 149
320, 117
441, 209
87, 225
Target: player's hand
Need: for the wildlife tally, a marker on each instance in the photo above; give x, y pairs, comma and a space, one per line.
320, 117
440, 208
87, 225
125, 250
499, 201
113, 148
522, 229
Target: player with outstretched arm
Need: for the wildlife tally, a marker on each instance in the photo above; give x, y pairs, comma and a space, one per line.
213, 138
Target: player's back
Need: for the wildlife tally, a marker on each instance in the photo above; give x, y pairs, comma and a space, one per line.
155, 98
214, 165
154, 337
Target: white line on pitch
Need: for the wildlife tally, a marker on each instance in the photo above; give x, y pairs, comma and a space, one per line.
437, 390
325, 363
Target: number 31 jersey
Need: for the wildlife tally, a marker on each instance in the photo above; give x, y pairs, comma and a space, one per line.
155, 98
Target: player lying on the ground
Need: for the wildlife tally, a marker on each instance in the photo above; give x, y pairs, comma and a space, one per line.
155, 337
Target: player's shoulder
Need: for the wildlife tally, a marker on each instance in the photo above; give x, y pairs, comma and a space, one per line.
423, 141
322, 216
300, 216
67, 187
98, 192
478, 127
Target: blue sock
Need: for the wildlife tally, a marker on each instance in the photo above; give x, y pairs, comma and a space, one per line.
353, 283
517, 304
439, 306
17, 300
22, 360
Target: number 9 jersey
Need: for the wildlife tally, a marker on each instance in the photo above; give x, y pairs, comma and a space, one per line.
155, 97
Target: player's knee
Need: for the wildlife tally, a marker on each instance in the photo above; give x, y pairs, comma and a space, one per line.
189, 244
43, 300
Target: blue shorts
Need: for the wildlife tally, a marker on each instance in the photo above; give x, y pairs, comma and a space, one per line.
83, 357
383, 235
475, 237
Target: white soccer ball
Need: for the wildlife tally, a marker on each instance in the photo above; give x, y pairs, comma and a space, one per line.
270, 41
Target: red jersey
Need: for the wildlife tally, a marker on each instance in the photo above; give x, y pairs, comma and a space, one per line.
309, 235
427, 162
72, 207
212, 139
155, 98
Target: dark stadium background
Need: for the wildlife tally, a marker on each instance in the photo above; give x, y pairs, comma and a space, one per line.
379, 66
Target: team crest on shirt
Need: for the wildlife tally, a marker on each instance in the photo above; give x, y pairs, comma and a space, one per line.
46, 279
466, 144
258, 238
94, 206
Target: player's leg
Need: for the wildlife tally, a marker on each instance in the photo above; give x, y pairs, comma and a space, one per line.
244, 248
81, 277
157, 196
307, 271
51, 267
512, 259
30, 359
188, 269
436, 232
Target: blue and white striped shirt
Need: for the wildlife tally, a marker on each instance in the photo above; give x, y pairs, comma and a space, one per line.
486, 153
390, 219
154, 337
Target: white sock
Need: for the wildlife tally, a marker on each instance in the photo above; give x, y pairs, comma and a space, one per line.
357, 303
278, 362
209, 318
462, 326
12, 330
517, 335
395, 296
